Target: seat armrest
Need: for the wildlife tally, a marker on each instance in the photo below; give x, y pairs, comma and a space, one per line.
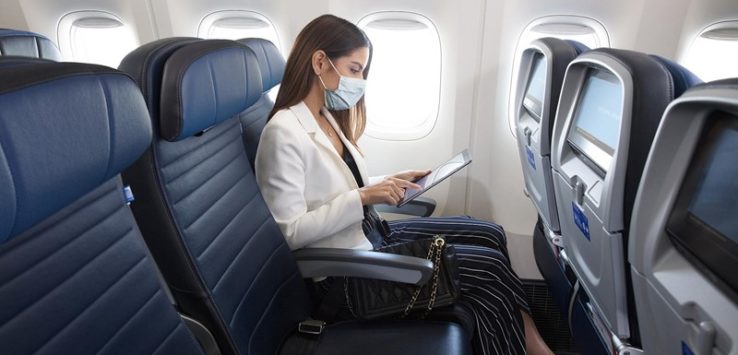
420, 207
324, 262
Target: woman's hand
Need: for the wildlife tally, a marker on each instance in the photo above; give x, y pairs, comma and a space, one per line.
411, 175
391, 191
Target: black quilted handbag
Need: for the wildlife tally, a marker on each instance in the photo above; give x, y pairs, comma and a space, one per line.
369, 299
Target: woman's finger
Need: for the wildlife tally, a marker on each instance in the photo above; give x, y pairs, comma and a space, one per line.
394, 196
408, 185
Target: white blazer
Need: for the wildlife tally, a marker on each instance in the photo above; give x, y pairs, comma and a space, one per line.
308, 188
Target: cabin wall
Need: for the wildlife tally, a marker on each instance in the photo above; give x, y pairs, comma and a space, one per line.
478, 38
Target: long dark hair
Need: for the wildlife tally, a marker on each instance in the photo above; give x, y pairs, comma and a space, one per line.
337, 38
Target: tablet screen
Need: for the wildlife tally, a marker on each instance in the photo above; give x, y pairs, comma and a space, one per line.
437, 175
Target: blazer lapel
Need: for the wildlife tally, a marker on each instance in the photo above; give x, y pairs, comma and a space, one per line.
306, 119
311, 127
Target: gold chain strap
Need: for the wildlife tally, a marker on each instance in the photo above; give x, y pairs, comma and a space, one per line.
435, 248
434, 254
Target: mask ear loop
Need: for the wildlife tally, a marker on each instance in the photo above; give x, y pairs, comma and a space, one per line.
334, 67
322, 83
337, 72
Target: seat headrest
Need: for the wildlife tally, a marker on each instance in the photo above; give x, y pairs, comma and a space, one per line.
65, 128
204, 83
271, 62
145, 65
580, 48
683, 78
27, 44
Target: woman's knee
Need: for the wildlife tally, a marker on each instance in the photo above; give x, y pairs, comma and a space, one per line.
488, 229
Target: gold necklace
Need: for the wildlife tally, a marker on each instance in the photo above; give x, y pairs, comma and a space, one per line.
328, 130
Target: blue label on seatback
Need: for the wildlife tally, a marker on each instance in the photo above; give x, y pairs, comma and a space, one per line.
686, 350
581, 220
128, 195
531, 160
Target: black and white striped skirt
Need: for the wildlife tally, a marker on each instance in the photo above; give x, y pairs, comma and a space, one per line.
489, 286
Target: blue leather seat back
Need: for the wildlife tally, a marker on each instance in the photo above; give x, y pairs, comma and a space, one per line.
75, 277
254, 118
27, 44
207, 223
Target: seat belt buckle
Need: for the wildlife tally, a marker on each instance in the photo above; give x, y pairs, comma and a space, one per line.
311, 326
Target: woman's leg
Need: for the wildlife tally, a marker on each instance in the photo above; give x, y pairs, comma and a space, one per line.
456, 230
486, 290
534, 344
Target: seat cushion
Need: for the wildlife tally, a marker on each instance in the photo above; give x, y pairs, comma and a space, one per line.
385, 338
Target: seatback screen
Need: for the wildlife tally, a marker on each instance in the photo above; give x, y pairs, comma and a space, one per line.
536, 89
704, 222
595, 129
715, 201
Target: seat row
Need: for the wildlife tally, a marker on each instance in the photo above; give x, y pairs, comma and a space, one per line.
586, 122
132, 222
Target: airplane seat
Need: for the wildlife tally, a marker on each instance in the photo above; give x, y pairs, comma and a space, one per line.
75, 277
683, 247
542, 68
271, 65
27, 44
543, 65
610, 107
209, 229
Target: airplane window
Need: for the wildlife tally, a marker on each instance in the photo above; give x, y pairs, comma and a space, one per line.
404, 82
584, 30
237, 24
713, 53
95, 37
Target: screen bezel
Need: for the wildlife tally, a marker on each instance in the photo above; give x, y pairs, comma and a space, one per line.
715, 254
532, 105
595, 153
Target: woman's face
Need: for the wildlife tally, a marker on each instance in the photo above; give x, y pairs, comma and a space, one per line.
351, 65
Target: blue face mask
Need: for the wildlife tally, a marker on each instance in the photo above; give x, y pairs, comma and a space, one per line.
348, 93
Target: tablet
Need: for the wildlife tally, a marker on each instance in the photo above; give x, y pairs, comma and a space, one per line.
437, 175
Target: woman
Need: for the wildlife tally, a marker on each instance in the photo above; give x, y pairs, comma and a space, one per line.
313, 178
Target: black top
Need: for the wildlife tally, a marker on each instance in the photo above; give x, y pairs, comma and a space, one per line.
372, 221
349, 160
